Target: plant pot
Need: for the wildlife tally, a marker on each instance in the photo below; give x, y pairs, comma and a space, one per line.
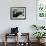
40, 41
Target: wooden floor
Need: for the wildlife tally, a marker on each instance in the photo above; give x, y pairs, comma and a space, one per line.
13, 44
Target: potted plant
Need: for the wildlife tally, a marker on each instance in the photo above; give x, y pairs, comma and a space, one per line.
39, 35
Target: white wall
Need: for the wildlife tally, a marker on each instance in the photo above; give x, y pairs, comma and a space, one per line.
24, 25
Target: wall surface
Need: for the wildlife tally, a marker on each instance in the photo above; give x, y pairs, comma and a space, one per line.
24, 25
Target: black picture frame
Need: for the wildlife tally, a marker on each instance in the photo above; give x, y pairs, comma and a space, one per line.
18, 13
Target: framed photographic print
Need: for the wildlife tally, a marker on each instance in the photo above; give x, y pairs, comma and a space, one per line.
18, 13
41, 12
41, 8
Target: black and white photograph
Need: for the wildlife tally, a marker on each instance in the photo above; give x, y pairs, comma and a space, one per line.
18, 13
